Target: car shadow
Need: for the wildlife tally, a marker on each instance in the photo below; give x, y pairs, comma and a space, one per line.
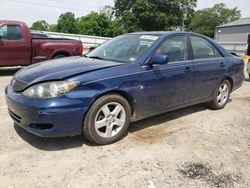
9, 71
63, 143
51, 144
247, 79
165, 117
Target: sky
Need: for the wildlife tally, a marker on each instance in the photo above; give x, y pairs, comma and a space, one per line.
30, 11
242, 5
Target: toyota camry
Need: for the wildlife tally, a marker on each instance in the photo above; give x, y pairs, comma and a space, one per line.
128, 78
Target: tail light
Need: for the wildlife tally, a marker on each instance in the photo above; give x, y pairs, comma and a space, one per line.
81, 49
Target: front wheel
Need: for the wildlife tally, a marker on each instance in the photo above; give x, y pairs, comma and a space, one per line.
221, 96
107, 120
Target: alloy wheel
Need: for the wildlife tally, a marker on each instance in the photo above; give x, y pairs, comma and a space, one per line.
223, 94
110, 119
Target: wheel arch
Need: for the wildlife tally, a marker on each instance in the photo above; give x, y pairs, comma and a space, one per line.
66, 54
230, 79
87, 128
122, 93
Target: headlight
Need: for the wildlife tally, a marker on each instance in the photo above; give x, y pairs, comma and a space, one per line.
50, 89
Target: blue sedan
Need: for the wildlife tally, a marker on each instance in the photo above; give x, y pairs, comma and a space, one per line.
126, 79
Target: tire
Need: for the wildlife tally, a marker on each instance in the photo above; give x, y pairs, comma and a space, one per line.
107, 120
221, 96
59, 56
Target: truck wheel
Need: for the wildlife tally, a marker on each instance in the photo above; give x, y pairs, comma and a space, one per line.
59, 56
221, 96
107, 120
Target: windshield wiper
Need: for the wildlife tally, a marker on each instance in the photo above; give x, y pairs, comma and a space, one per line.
95, 57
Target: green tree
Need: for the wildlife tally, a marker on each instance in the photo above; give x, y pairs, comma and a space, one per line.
205, 21
109, 11
148, 15
187, 11
99, 24
40, 25
53, 28
114, 29
67, 23
93, 24
225, 14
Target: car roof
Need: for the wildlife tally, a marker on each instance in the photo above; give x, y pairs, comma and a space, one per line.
12, 22
161, 33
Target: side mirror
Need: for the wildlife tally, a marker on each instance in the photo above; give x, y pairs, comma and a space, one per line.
158, 59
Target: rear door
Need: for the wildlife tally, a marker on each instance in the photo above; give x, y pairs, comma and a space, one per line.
15, 46
209, 67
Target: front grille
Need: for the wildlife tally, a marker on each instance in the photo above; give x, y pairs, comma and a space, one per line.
18, 85
15, 117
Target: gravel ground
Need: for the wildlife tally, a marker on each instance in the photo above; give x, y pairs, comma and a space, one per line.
192, 147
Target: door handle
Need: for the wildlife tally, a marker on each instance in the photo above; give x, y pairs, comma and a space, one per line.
23, 46
188, 69
222, 64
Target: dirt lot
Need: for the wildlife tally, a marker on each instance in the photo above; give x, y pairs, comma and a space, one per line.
192, 147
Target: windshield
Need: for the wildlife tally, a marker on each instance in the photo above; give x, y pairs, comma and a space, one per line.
125, 49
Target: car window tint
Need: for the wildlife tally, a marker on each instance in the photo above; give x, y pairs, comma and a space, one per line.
3, 31
126, 49
130, 46
11, 32
175, 48
202, 49
39, 35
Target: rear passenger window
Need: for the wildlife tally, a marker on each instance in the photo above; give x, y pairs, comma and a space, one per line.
11, 32
175, 48
202, 49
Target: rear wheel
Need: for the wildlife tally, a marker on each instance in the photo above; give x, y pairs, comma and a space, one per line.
107, 120
221, 96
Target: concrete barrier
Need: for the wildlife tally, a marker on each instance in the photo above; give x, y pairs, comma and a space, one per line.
87, 40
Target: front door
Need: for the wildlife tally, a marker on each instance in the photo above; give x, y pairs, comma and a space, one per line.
15, 49
168, 85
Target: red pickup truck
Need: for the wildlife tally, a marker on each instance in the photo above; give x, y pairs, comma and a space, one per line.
17, 47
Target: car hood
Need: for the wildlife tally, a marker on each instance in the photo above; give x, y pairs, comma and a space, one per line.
60, 69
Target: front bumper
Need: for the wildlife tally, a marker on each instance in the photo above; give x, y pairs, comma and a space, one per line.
55, 117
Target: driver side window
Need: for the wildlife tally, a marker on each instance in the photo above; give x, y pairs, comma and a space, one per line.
11, 32
175, 48
119, 49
